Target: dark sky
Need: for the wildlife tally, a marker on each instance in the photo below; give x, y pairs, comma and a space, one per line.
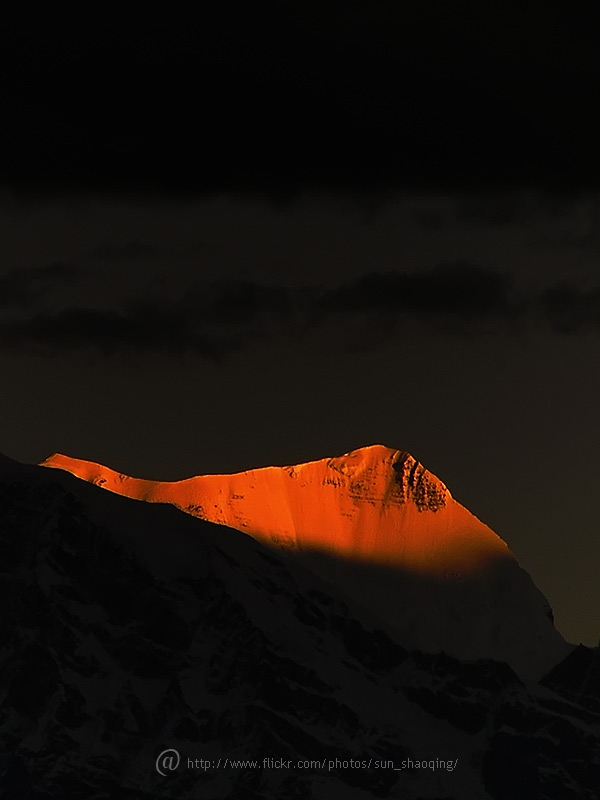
268, 236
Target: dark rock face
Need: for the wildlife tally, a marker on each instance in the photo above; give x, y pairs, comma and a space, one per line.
414, 482
106, 663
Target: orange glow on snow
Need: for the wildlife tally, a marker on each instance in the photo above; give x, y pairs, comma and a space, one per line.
375, 505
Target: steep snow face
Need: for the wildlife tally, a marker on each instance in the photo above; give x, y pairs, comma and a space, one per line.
384, 531
376, 505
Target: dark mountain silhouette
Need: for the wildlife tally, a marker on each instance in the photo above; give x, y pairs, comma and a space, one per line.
130, 628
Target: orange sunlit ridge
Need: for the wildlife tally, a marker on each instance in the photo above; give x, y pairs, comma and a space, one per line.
374, 505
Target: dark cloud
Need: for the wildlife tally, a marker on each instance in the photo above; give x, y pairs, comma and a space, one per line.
567, 240
569, 309
217, 319
458, 290
239, 302
128, 251
210, 320
497, 209
429, 220
141, 330
19, 288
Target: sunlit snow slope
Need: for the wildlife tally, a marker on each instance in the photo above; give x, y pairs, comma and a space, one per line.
386, 531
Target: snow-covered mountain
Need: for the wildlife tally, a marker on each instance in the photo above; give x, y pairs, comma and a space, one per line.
130, 629
385, 532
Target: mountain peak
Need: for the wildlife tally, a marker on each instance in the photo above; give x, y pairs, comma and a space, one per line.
410, 480
386, 532
349, 504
